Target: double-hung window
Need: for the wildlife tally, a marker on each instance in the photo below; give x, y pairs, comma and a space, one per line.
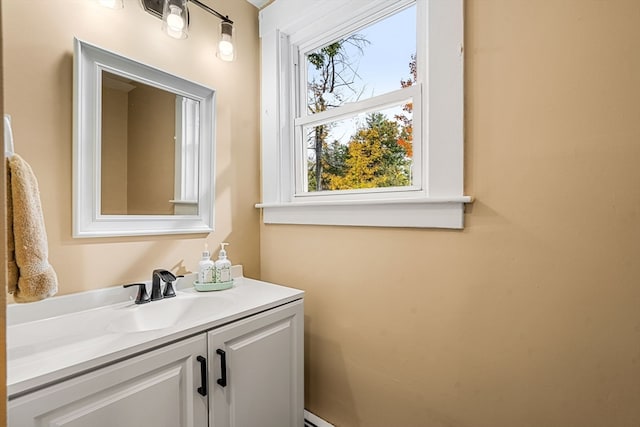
362, 113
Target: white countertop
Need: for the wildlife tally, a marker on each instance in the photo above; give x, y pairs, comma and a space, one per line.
62, 337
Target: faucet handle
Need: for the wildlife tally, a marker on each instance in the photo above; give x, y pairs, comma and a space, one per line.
167, 277
169, 292
143, 296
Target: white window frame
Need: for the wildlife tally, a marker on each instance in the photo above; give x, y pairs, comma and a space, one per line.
289, 27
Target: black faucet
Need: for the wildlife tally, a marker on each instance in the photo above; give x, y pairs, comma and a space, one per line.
143, 296
158, 276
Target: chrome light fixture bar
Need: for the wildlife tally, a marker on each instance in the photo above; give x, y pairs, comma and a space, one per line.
175, 22
211, 11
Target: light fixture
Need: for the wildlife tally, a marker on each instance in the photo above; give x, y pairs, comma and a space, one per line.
175, 18
112, 4
226, 50
175, 22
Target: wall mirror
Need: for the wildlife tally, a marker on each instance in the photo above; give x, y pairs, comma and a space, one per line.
143, 150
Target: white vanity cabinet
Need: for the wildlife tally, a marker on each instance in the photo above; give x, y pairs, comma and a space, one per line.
243, 373
256, 370
158, 388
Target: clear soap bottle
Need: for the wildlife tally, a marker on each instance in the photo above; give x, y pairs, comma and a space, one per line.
206, 271
223, 266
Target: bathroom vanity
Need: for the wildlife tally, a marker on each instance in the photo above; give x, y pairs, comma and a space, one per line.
230, 358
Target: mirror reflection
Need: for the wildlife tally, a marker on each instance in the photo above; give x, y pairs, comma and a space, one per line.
148, 166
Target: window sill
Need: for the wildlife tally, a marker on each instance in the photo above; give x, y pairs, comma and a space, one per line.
432, 212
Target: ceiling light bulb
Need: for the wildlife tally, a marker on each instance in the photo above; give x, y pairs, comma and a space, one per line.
226, 50
225, 47
174, 21
175, 18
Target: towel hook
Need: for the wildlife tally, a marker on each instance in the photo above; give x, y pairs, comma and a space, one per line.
8, 136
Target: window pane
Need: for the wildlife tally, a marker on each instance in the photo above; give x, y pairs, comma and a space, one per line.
377, 59
369, 150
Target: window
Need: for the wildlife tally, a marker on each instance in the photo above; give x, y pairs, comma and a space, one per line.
363, 125
354, 118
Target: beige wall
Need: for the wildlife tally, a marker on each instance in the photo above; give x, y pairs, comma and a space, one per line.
113, 170
152, 150
138, 150
530, 317
38, 46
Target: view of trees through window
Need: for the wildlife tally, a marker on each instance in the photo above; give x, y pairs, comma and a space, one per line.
370, 148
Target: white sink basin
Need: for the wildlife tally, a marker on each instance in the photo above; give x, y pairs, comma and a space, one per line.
63, 336
166, 313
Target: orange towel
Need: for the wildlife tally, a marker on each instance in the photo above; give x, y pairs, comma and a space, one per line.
36, 278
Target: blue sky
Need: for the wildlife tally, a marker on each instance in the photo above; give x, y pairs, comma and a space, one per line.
385, 59
382, 64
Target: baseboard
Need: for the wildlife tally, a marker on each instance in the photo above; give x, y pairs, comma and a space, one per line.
311, 420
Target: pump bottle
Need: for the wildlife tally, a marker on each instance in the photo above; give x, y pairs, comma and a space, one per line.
223, 266
206, 272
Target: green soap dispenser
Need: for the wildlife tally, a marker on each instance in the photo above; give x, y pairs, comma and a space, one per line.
223, 266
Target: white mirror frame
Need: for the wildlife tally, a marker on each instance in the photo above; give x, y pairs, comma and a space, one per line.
89, 62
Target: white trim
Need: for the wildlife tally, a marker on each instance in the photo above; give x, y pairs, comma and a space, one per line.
436, 197
380, 102
444, 107
89, 62
186, 149
316, 420
420, 200
258, 3
401, 213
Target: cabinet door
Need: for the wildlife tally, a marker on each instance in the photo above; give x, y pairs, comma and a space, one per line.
256, 370
156, 389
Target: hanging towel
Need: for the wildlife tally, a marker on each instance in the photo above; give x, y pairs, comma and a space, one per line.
36, 278
12, 267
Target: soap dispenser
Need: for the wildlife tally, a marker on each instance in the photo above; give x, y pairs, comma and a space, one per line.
206, 272
223, 266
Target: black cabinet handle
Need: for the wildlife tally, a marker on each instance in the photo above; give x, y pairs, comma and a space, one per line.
203, 375
223, 368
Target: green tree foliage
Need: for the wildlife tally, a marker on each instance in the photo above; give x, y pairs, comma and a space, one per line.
336, 72
405, 119
374, 159
380, 152
332, 164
